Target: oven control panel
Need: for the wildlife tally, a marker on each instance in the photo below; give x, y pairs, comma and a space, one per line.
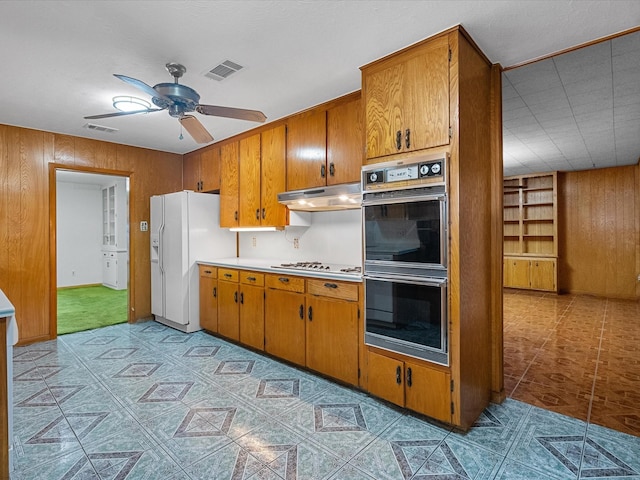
404, 174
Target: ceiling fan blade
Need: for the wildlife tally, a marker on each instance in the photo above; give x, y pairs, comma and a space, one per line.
120, 114
239, 113
142, 86
197, 131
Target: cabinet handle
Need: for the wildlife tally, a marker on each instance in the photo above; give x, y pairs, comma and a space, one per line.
310, 314
332, 169
251, 279
398, 375
235, 297
228, 275
200, 185
323, 171
409, 382
257, 214
242, 298
264, 214
331, 285
398, 139
284, 279
301, 312
207, 271
407, 138
215, 292
235, 215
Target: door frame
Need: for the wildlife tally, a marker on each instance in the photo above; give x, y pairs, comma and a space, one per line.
53, 226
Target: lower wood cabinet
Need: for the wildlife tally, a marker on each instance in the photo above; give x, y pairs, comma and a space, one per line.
252, 309
313, 323
209, 298
530, 273
409, 384
332, 329
284, 324
228, 306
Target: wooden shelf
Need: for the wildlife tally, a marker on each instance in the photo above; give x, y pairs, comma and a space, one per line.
538, 204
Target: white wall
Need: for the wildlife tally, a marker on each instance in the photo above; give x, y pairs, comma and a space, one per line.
79, 234
333, 237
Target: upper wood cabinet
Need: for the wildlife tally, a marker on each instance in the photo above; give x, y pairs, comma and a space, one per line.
344, 143
261, 175
406, 99
201, 170
324, 146
249, 181
307, 150
273, 179
229, 193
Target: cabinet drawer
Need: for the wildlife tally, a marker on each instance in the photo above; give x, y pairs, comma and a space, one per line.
228, 275
330, 288
208, 271
285, 282
252, 278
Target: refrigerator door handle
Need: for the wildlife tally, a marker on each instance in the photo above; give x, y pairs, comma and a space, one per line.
160, 249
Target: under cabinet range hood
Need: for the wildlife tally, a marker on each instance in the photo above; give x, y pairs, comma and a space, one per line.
321, 199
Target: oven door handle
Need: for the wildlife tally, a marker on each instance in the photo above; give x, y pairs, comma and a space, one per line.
380, 200
427, 281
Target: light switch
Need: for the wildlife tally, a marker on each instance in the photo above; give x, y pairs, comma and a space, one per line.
144, 226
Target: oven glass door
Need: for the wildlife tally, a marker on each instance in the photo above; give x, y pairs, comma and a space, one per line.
407, 316
406, 232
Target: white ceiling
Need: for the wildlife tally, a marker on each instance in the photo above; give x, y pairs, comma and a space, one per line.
59, 57
576, 111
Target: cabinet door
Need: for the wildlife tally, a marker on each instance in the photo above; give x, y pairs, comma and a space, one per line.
384, 115
408, 92
543, 274
209, 304
516, 273
307, 151
332, 338
191, 172
249, 180
285, 325
252, 316
229, 185
228, 311
428, 391
210, 170
386, 378
274, 176
426, 96
344, 143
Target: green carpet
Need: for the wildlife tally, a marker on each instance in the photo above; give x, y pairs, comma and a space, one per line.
86, 308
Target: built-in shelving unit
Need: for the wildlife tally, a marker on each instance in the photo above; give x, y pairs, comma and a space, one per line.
530, 231
115, 235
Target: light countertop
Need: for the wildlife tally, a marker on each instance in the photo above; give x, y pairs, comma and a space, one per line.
262, 265
8, 310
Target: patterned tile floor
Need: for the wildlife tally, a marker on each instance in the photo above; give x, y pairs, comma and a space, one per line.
575, 355
144, 401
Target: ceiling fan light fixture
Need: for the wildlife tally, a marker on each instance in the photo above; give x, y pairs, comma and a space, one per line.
130, 104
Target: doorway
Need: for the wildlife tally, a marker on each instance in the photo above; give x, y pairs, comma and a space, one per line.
91, 250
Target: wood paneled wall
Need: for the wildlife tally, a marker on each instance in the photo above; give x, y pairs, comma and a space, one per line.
598, 223
25, 269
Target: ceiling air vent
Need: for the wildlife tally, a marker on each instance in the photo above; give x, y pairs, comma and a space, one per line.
223, 70
99, 128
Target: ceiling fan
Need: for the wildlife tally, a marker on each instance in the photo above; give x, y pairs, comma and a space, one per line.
179, 100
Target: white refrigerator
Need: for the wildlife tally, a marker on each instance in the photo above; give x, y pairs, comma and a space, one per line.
185, 228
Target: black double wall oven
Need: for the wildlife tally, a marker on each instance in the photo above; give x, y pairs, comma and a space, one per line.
404, 210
